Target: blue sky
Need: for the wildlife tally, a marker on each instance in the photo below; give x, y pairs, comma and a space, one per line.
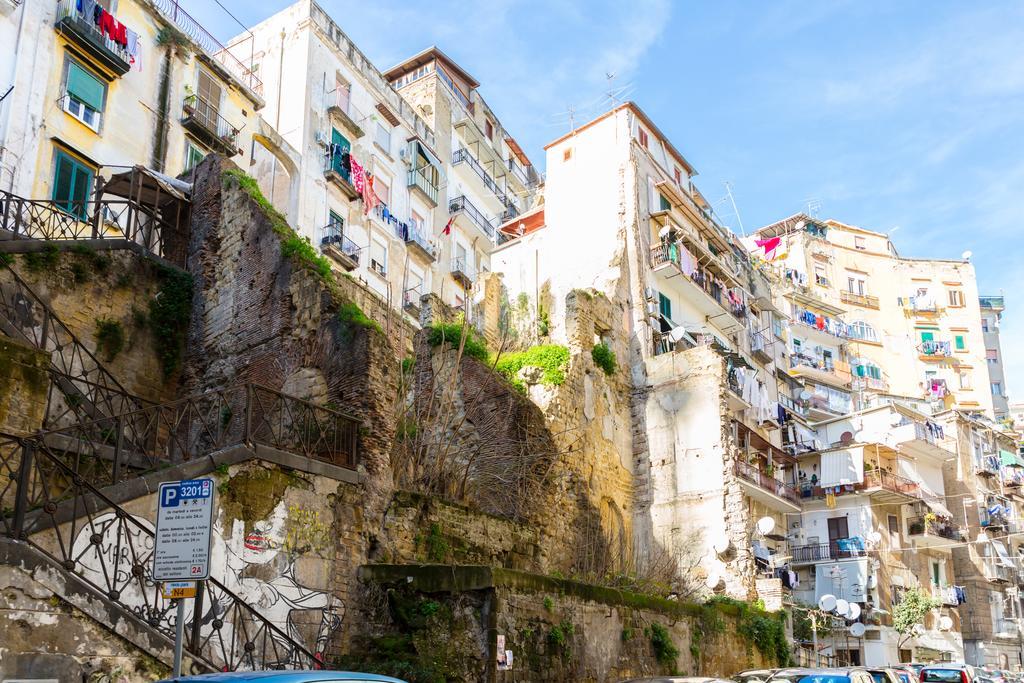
904, 117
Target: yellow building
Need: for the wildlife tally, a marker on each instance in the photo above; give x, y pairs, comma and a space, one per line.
111, 84
912, 327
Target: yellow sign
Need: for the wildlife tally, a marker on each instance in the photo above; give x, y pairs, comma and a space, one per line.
176, 590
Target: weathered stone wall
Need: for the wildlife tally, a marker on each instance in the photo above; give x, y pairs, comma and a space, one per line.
83, 288
438, 622
24, 384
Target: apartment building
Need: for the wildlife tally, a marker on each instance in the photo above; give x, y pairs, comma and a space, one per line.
992, 308
912, 326
366, 184
874, 523
621, 216
488, 181
98, 86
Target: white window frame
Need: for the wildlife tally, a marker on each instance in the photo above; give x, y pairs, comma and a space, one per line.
382, 137
373, 264
79, 111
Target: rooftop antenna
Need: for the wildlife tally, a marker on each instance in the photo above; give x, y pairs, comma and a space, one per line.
732, 200
572, 116
813, 207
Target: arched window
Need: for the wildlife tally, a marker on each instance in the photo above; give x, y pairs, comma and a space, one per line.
862, 330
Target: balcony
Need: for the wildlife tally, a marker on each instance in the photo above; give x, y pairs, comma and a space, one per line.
419, 180
734, 397
761, 347
526, 176
340, 108
463, 272
462, 156
832, 372
765, 488
995, 303
862, 300
921, 305
936, 350
987, 465
462, 206
86, 34
411, 301
203, 120
932, 533
886, 488
701, 288
336, 245
838, 549
999, 573
920, 439
869, 384
340, 175
415, 241
797, 408
946, 595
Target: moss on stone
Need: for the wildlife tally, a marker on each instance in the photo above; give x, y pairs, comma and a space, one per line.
252, 495
551, 359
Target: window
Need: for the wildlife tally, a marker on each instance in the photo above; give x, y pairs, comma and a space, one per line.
992, 355
664, 306
985, 325
777, 326
965, 380
193, 155
820, 278
382, 188
927, 336
642, 136
85, 94
956, 298
417, 223
997, 388
894, 525
856, 284
936, 574
210, 93
382, 138
960, 342
72, 183
489, 129
863, 331
860, 243
679, 176
342, 93
378, 257
663, 203
567, 154
460, 258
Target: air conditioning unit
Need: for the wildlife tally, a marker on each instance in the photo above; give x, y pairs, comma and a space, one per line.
652, 308
650, 294
404, 155
322, 139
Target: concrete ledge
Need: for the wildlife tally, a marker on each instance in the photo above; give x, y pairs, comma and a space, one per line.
307, 464
27, 245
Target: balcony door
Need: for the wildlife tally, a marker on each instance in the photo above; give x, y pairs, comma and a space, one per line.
838, 527
210, 93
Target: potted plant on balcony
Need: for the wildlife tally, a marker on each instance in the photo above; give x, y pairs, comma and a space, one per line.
929, 520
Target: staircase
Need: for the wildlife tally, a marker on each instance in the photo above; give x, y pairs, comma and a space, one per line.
62, 493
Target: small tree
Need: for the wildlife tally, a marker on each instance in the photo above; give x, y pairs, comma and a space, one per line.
910, 611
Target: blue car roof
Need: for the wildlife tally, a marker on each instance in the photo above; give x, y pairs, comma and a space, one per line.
283, 677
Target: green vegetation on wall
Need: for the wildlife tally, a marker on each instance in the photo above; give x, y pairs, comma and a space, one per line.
552, 360
169, 315
665, 651
41, 261
763, 630
109, 338
351, 316
452, 333
604, 358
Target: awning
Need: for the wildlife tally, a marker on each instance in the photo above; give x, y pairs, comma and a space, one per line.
932, 499
422, 149
1004, 557
1008, 459
147, 186
841, 467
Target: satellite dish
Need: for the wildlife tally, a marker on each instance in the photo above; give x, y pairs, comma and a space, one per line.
857, 630
765, 525
875, 537
827, 603
842, 607
945, 623
676, 334
715, 582
966, 256
805, 395
918, 629
895, 419
854, 612
847, 437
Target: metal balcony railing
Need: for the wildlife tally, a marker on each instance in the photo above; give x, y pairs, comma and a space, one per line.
213, 47
864, 300
792, 406
463, 267
837, 549
462, 156
891, 482
936, 348
462, 205
418, 178
729, 300
992, 302
71, 10
921, 526
766, 481
207, 115
333, 234
987, 464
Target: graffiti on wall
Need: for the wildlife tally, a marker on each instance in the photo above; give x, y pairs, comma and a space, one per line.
256, 562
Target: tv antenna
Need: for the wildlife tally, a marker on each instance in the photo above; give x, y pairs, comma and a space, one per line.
813, 207
735, 210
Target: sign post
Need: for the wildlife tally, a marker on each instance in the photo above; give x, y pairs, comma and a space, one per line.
181, 556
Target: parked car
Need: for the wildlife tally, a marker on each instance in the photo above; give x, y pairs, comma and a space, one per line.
754, 676
284, 677
905, 673
844, 674
677, 679
885, 675
948, 673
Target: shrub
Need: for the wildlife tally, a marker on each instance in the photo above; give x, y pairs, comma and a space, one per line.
665, 651
169, 315
552, 359
351, 315
109, 338
300, 249
451, 333
6, 259
604, 358
40, 261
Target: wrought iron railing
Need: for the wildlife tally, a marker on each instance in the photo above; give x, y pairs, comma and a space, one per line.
462, 266
205, 40
864, 300
462, 155
81, 388
891, 482
45, 219
72, 9
925, 526
462, 205
730, 300
207, 115
418, 178
333, 234
767, 482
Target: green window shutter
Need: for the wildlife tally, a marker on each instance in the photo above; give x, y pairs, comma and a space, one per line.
927, 336
960, 343
664, 203
72, 182
340, 140
861, 370
664, 306
85, 87
335, 219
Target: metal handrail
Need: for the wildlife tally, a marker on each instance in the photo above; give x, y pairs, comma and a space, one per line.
417, 178
205, 40
461, 204
766, 481
334, 234
462, 155
70, 9
208, 116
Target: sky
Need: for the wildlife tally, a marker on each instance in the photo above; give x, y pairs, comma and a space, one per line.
905, 118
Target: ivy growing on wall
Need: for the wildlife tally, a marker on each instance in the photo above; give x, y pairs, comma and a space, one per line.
169, 314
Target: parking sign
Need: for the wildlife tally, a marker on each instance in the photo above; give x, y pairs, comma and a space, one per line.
184, 522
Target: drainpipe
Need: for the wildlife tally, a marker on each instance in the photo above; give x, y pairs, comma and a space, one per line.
280, 79
159, 158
